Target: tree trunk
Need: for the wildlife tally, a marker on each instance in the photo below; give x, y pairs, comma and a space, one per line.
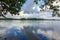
2, 14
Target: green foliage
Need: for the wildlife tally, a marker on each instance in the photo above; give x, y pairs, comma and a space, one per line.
49, 3
13, 6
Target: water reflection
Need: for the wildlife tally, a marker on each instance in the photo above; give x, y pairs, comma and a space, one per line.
30, 30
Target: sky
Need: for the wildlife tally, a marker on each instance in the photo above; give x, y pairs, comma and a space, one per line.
31, 10
30, 6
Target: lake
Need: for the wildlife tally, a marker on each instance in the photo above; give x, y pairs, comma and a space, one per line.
46, 28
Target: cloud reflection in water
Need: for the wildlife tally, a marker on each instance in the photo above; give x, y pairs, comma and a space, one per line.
46, 28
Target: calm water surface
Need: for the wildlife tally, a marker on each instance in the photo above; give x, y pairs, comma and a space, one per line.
50, 29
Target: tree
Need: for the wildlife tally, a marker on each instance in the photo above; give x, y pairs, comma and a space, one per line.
12, 6
52, 7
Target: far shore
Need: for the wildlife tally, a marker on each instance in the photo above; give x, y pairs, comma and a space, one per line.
29, 19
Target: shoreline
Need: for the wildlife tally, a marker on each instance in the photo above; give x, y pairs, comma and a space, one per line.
30, 19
